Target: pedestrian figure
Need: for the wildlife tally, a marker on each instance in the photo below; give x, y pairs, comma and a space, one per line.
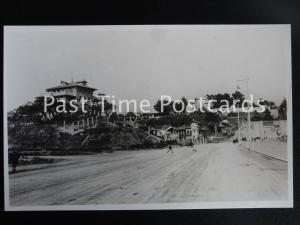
15, 160
235, 141
194, 148
170, 149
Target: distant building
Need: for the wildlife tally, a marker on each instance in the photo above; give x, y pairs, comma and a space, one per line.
199, 133
264, 129
182, 134
73, 90
184, 131
274, 113
168, 132
195, 132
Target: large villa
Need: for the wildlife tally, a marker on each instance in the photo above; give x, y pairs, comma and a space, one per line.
72, 90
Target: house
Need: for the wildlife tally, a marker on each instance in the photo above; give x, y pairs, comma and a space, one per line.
184, 131
72, 90
184, 134
168, 132
199, 133
155, 130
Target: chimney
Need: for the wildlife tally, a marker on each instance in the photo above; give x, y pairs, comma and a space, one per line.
63, 82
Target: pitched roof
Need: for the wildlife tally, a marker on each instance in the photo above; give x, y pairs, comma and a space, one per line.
166, 127
66, 85
183, 127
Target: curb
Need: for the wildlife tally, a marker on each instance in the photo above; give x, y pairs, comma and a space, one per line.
269, 156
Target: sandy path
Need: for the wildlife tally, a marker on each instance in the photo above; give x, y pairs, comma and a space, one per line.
217, 172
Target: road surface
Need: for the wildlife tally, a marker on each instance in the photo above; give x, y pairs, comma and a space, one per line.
216, 172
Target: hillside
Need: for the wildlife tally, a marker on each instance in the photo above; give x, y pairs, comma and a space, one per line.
36, 137
106, 136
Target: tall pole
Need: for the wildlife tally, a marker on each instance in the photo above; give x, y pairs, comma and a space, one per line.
248, 114
239, 134
249, 118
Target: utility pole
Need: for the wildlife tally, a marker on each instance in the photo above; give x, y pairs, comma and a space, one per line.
239, 134
248, 115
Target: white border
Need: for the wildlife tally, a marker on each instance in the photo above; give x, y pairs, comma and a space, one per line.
149, 206
159, 206
289, 96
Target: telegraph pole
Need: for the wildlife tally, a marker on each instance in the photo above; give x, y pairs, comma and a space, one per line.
239, 135
248, 114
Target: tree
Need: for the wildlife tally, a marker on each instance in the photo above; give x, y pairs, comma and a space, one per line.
282, 110
272, 105
167, 108
185, 102
113, 117
31, 111
238, 96
219, 100
267, 115
181, 106
269, 104
227, 97
130, 114
257, 116
212, 120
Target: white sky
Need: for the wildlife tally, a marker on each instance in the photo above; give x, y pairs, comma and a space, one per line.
145, 62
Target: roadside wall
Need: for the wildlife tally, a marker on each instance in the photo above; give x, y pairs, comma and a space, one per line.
264, 129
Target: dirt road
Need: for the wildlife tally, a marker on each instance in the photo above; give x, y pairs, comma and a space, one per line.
216, 172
